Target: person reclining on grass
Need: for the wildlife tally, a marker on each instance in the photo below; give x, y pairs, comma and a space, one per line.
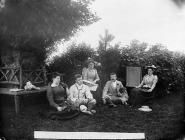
114, 92
79, 94
57, 96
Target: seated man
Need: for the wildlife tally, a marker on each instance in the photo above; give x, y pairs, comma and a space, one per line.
114, 92
79, 94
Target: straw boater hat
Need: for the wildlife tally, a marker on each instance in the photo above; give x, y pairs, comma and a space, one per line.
145, 109
152, 67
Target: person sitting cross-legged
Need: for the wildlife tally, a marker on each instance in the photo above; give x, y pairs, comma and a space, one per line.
114, 92
81, 97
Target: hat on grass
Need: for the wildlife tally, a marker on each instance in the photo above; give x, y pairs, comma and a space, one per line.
145, 109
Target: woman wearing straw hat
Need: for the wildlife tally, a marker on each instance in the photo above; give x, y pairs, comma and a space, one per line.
145, 90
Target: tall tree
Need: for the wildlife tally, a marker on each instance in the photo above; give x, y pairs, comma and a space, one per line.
179, 3
36, 24
105, 40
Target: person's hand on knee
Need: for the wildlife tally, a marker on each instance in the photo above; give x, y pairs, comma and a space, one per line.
77, 102
104, 101
61, 108
93, 101
119, 94
149, 90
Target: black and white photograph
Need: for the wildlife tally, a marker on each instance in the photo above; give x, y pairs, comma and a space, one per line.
92, 69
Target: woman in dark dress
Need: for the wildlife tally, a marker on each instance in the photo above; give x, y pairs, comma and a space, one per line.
145, 90
57, 94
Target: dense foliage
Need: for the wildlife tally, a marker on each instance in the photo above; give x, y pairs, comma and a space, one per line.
34, 25
170, 65
73, 60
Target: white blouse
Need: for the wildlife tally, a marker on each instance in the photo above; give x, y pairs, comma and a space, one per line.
149, 80
90, 75
79, 92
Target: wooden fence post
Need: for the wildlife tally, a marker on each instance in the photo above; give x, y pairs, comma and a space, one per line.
21, 79
45, 75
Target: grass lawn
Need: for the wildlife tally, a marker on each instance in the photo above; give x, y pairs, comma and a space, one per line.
164, 122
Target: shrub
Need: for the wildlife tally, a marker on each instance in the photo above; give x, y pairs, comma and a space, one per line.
170, 65
169, 70
72, 61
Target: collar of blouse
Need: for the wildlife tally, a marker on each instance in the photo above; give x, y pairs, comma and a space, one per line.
54, 85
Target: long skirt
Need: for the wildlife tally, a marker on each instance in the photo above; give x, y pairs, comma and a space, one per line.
68, 113
138, 96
